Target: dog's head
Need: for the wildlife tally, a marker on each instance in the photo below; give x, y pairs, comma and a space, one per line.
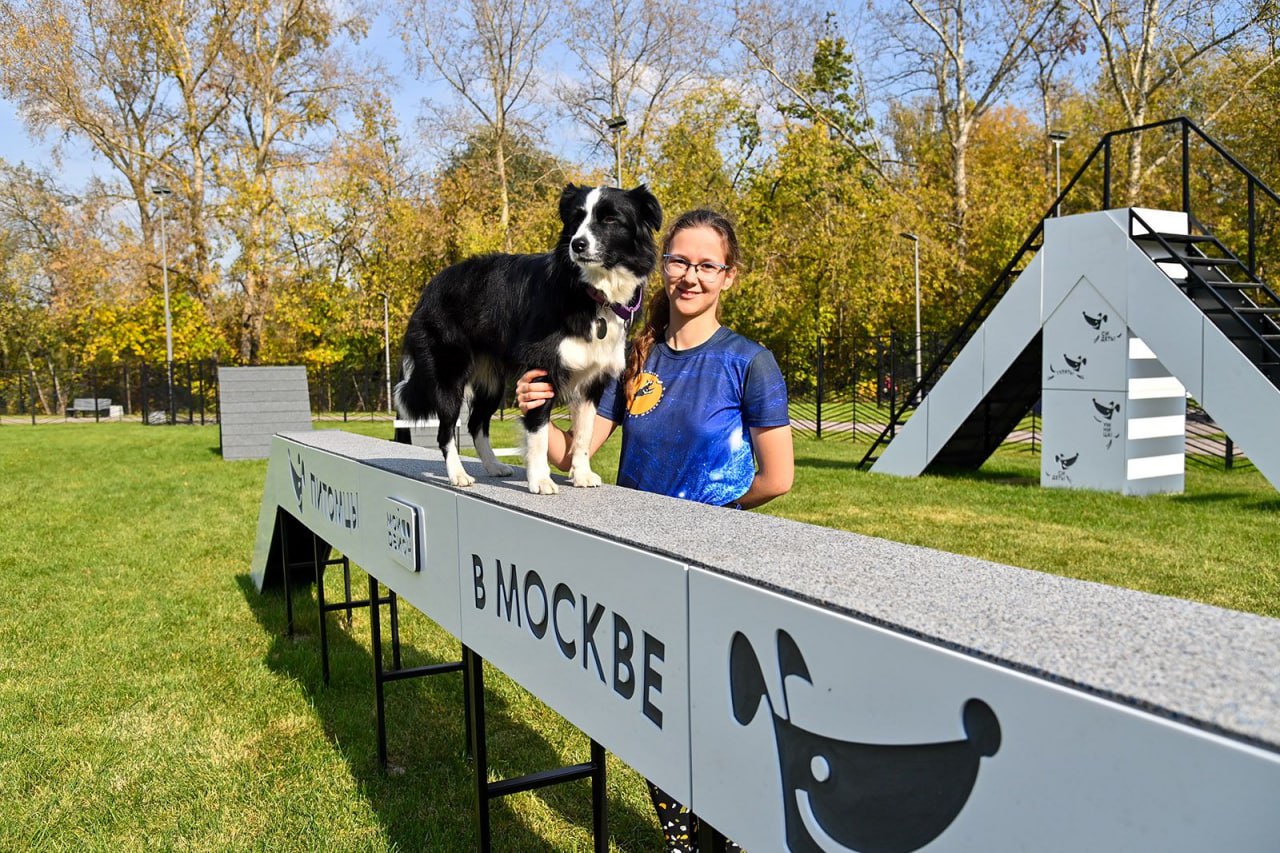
607, 231
841, 795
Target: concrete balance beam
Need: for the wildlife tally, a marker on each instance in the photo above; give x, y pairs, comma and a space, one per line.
808, 689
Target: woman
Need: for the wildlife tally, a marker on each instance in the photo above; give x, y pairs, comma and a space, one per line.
703, 409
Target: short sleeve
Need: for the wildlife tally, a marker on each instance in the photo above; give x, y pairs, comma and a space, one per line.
764, 402
613, 403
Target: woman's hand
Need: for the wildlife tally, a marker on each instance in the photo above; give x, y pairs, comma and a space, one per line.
531, 392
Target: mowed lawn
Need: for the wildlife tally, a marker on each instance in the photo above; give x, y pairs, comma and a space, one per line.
149, 698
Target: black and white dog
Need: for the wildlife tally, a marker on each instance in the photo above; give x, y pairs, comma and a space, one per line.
490, 318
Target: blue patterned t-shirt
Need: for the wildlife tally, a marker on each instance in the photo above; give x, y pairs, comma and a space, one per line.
687, 432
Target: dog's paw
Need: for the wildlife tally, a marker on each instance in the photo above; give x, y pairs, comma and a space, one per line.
462, 478
585, 479
497, 469
543, 486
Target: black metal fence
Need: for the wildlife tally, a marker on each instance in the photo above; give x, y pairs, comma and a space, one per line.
134, 390
845, 391
147, 392
849, 398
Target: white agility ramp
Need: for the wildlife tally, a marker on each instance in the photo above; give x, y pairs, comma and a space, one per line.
1121, 346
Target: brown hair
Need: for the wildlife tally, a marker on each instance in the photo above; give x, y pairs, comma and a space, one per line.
657, 313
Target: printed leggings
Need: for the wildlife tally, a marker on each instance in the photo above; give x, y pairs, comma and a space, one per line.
680, 826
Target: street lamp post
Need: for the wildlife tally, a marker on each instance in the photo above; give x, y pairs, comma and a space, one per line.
1057, 137
386, 349
915, 242
162, 192
616, 124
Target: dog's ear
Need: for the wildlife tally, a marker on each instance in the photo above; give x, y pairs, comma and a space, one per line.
647, 206
790, 662
746, 681
567, 200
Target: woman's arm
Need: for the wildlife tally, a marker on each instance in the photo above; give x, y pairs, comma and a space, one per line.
531, 394
776, 465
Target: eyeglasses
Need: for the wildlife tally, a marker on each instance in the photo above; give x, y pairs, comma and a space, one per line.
676, 267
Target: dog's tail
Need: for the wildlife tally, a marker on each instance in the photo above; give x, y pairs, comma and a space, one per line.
415, 392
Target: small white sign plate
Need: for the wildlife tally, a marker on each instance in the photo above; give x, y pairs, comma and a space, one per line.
402, 525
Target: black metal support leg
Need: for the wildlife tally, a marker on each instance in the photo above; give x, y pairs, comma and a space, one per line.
320, 564
473, 677
486, 791
599, 800
283, 537
466, 700
379, 708
395, 630
398, 672
346, 585
710, 839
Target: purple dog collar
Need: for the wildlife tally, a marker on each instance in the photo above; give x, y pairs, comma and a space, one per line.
626, 312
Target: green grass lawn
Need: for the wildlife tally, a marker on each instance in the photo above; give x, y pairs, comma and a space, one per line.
150, 700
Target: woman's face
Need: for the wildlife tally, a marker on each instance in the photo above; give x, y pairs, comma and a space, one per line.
693, 294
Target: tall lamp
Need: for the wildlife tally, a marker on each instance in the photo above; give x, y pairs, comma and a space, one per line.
915, 242
162, 192
386, 348
1057, 137
616, 124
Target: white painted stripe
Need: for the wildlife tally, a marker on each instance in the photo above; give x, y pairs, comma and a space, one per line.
1139, 350
1155, 387
1154, 466
1158, 427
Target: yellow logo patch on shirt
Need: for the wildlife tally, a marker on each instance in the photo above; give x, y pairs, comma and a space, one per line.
648, 395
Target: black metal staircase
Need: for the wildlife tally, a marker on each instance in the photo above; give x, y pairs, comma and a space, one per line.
1221, 285
1225, 287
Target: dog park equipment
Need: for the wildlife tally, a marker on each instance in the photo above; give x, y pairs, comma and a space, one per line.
426, 433
99, 407
1100, 326
254, 403
809, 689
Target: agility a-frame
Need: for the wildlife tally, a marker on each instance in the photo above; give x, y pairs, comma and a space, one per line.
1116, 319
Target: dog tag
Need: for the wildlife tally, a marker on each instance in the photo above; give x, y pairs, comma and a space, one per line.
602, 328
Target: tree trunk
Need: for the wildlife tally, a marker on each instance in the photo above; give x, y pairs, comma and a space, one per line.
251, 321
504, 198
1133, 163
960, 176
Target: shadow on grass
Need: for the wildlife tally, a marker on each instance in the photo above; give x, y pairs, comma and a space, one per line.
829, 464
1247, 500
982, 475
426, 802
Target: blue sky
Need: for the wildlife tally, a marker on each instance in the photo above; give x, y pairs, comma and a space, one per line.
80, 163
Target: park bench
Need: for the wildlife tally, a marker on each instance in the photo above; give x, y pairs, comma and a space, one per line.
88, 406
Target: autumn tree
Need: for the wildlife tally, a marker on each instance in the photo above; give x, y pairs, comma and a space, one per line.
191, 41
90, 70
1149, 47
967, 57
635, 58
289, 81
487, 52
823, 182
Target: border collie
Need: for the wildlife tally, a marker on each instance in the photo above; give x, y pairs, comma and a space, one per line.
490, 318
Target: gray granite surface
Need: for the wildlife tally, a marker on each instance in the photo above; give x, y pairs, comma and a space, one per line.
1214, 668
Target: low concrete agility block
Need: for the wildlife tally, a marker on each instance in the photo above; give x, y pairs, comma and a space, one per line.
254, 403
